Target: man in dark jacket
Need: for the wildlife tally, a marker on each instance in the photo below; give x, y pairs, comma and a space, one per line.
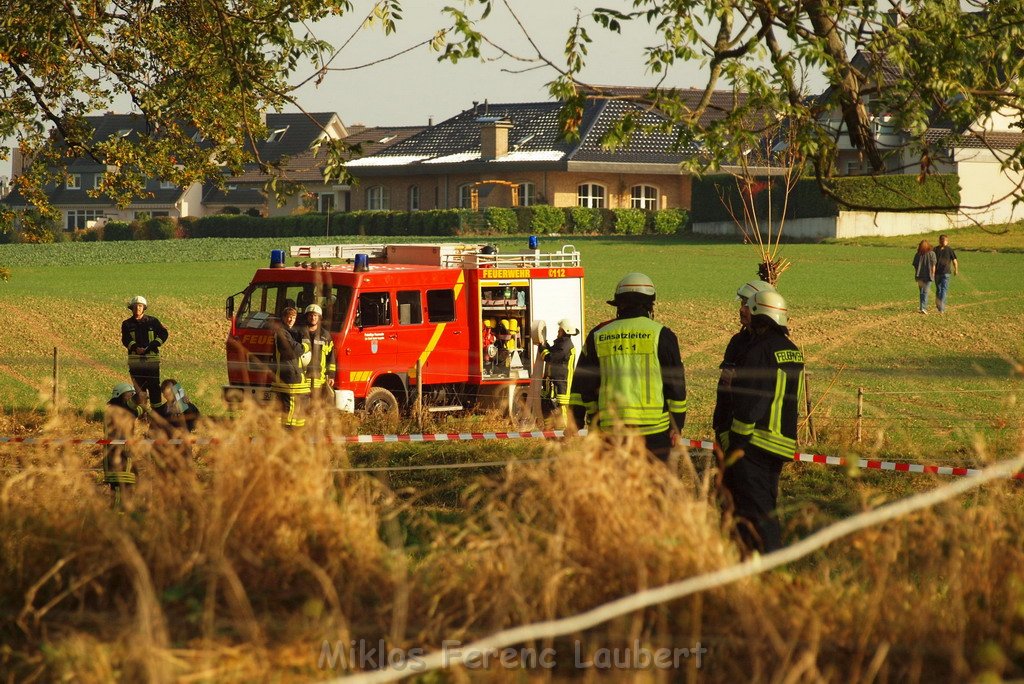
287, 362
559, 365
721, 420
630, 372
143, 335
120, 420
766, 394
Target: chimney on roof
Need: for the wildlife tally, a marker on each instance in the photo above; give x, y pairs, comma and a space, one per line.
430, 121
494, 137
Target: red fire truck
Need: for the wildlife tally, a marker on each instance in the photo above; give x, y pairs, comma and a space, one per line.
467, 316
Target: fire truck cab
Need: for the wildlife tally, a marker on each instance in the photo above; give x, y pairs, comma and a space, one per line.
466, 317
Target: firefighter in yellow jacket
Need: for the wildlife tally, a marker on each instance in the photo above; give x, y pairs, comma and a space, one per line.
630, 372
317, 341
766, 392
120, 422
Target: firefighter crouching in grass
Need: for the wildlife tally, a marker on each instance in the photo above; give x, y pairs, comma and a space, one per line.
318, 342
120, 422
288, 362
559, 365
143, 335
175, 418
630, 372
766, 392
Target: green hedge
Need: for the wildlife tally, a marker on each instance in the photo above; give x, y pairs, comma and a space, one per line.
630, 221
117, 231
712, 195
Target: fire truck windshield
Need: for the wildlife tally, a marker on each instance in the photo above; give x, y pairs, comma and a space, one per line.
263, 303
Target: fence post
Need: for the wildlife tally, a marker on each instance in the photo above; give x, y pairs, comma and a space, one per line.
860, 413
419, 392
55, 378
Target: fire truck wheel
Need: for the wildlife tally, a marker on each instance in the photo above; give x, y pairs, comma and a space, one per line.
381, 402
519, 408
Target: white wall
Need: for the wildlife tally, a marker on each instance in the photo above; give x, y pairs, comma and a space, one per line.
848, 224
983, 183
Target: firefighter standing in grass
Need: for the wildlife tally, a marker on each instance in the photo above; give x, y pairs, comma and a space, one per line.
630, 371
318, 342
721, 421
143, 335
766, 392
559, 364
120, 420
287, 360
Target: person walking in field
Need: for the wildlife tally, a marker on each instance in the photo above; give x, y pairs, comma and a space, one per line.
946, 266
766, 391
143, 336
630, 372
721, 420
287, 361
924, 272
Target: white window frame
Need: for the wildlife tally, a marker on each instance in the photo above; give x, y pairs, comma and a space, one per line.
74, 181
167, 185
277, 134
587, 195
97, 181
377, 198
527, 194
414, 198
643, 196
466, 195
76, 219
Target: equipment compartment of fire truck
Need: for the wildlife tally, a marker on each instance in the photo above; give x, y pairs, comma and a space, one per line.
469, 318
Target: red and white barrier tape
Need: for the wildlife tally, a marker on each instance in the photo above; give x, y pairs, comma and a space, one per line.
822, 459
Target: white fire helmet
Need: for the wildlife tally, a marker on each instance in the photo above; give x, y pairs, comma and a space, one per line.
770, 304
634, 283
121, 388
138, 299
315, 308
566, 326
748, 290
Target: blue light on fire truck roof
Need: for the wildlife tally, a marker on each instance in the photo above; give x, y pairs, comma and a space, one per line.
362, 263
534, 242
277, 258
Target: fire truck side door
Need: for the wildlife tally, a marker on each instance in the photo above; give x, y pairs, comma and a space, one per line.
371, 346
447, 346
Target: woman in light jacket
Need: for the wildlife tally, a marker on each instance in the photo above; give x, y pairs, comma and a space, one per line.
924, 272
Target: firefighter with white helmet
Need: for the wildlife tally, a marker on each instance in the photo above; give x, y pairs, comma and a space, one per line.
766, 390
143, 336
120, 421
321, 367
631, 373
559, 364
721, 420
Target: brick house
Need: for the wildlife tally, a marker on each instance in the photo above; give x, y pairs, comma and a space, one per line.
513, 154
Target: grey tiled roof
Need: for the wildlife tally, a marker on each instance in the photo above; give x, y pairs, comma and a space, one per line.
987, 140
535, 138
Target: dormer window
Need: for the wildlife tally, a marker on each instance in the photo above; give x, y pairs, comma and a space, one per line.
277, 134
387, 139
124, 132
198, 137
74, 181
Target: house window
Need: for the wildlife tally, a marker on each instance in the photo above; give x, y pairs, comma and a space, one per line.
124, 132
377, 198
466, 196
74, 181
97, 181
78, 219
167, 185
410, 311
853, 168
325, 202
643, 197
143, 215
414, 198
440, 306
527, 196
590, 195
277, 134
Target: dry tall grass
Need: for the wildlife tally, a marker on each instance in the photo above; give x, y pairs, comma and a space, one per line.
240, 564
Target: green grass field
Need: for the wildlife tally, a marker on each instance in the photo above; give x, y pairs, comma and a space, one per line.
853, 311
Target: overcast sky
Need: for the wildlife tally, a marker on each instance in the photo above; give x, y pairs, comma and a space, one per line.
415, 86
